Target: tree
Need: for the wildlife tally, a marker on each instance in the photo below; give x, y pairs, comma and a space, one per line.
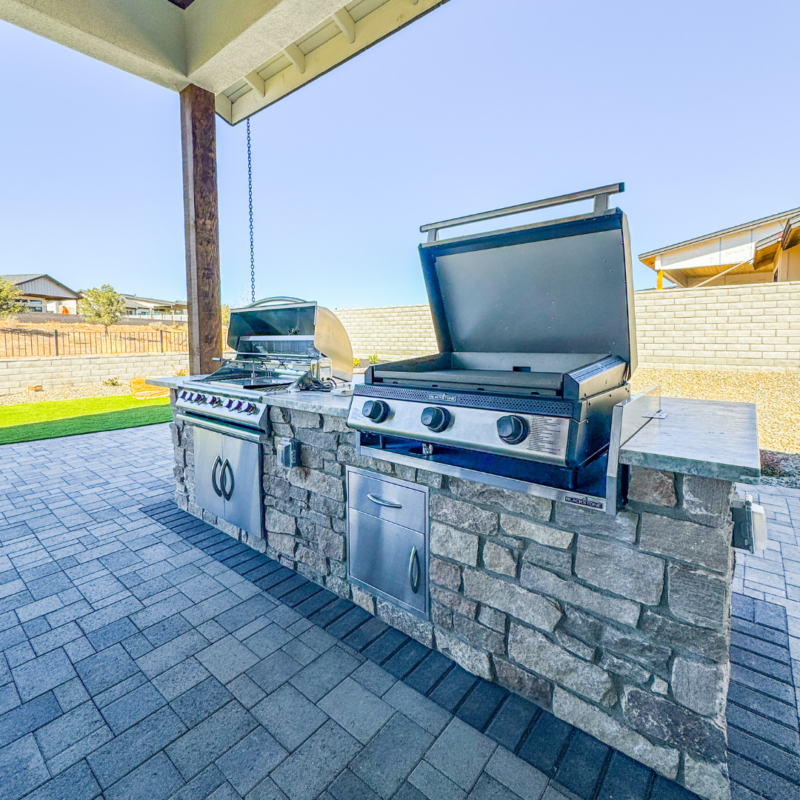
102, 306
9, 296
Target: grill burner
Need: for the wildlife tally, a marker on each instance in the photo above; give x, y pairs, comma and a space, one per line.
537, 342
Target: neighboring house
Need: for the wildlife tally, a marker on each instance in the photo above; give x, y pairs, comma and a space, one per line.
42, 293
151, 307
761, 251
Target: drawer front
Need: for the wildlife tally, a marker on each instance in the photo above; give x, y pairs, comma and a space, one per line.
390, 559
387, 500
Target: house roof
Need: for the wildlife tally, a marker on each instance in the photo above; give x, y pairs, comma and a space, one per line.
42, 285
249, 53
153, 301
650, 257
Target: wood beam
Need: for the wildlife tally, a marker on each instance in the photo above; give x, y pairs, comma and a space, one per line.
296, 56
198, 135
256, 83
346, 24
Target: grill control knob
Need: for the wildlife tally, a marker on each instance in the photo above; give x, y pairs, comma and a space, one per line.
238, 406
215, 401
512, 429
183, 395
376, 410
250, 408
229, 404
435, 418
201, 398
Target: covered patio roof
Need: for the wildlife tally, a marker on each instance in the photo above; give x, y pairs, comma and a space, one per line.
227, 58
248, 53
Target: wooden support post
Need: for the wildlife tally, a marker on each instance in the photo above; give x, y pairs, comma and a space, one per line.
198, 134
660, 279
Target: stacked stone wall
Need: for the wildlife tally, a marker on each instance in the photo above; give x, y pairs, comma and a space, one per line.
618, 625
753, 327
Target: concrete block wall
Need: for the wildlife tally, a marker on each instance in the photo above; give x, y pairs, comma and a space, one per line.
390, 331
754, 327
16, 374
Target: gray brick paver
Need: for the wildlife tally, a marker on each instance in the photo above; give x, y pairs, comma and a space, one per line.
146, 621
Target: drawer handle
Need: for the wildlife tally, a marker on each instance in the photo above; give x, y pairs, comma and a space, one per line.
413, 570
216, 488
386, 503
227, 469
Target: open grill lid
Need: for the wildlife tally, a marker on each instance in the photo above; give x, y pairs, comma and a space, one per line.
560, 287
290, 327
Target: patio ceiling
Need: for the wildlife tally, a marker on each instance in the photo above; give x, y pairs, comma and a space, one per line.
249, 53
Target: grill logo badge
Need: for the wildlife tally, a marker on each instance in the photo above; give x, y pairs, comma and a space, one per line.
443, 397
584, 501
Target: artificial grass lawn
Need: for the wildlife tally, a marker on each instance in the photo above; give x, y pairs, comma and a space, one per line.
28, 422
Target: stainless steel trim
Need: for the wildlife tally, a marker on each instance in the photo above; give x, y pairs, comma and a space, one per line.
385, 503
231, 389
534, 489
627, 418
564, 199
221, 427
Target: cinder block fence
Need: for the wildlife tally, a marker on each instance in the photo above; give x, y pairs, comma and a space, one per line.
751, 328
16, 374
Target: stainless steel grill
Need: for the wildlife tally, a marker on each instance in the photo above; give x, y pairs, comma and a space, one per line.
281, 344
537, 342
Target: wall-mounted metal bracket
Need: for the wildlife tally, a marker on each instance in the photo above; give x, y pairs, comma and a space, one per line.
749, 525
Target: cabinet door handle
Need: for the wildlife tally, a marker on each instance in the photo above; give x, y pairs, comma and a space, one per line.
214, 477
385, 503
414, 571
227, 470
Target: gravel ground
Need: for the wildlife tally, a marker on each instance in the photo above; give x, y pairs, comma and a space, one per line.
66, 393
777, 399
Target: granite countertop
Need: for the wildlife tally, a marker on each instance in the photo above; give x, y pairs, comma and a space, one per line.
698, 437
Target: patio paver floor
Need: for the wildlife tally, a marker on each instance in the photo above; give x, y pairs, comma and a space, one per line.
141, 658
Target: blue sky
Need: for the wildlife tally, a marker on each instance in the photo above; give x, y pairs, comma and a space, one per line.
466, 110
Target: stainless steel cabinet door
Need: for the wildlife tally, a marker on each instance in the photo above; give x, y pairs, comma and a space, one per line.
389, 558
240, 484
208, 460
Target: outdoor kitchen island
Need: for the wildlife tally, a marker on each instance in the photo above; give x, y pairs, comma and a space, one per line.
617, 623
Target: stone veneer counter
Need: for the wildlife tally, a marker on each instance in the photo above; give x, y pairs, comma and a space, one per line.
620, 625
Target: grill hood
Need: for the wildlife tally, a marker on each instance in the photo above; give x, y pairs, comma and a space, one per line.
563, 288
290, 327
